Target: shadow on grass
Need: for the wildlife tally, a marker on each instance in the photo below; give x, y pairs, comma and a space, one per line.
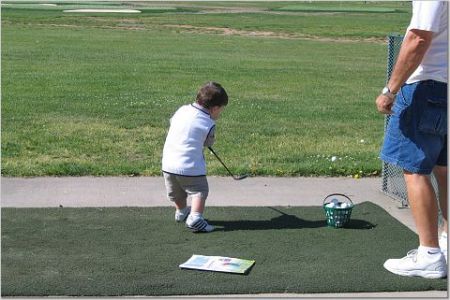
284, 221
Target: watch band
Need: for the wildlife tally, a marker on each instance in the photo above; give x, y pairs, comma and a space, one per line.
387, 92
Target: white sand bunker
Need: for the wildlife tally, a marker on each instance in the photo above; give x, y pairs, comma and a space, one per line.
100, 10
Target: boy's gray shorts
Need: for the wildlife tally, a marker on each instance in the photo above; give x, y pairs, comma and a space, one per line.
180, 187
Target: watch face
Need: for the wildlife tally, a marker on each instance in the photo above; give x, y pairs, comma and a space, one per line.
385, 90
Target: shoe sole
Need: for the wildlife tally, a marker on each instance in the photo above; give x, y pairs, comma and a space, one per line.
418, 273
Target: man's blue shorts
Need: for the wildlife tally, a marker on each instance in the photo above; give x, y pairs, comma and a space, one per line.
416, 135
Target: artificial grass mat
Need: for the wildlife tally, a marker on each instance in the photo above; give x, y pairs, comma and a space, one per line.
136, 251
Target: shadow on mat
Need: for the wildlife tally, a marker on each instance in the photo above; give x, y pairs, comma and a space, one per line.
284, 221
359, 224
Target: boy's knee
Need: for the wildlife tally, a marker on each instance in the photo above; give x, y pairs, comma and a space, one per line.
200, 196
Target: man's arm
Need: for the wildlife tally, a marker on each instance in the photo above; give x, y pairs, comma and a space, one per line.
414, 47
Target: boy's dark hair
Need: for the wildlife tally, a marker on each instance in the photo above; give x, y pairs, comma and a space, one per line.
212, 94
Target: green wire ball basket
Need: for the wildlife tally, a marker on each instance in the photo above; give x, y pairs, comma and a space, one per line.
337, 217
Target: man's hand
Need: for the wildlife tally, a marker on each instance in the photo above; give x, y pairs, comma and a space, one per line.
384, 104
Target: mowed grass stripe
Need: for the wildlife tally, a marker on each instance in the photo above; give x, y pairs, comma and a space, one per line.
96, 101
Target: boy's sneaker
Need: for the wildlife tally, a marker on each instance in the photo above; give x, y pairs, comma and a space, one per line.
418, 264
198, 224
443, 244
181, 215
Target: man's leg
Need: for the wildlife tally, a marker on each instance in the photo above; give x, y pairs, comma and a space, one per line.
422, 201
427, 261
440, 173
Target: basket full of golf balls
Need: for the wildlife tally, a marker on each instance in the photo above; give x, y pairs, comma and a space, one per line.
338, 208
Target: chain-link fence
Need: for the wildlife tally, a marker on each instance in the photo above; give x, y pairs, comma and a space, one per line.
392, 176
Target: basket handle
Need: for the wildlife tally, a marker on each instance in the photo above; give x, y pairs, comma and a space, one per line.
337, 194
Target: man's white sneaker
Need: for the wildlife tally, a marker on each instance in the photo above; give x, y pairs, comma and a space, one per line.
418, 264
198, 224
443, 244
181, 215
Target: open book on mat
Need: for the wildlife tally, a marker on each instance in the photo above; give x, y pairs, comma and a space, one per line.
218, 264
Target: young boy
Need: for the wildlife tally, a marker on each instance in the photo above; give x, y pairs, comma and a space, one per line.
183, 163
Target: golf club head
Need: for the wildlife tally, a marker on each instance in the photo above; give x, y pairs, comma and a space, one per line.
240, 177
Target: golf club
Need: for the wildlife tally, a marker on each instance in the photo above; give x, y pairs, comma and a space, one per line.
234, 177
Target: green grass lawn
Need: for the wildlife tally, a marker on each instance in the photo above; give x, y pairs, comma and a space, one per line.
340, 6
92, 94
136, 251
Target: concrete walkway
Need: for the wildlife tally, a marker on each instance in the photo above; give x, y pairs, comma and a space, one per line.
224, 191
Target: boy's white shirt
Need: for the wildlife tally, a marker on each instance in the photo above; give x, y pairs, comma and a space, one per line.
183, 149
431, 16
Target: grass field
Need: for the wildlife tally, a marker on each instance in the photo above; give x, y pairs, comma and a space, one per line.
92, 94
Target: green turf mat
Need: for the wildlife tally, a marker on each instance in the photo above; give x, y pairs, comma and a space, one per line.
136, 251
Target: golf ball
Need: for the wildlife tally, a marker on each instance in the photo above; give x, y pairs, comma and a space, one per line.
333, 158
330, 205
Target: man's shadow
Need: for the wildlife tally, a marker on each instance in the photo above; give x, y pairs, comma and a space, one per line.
283, 221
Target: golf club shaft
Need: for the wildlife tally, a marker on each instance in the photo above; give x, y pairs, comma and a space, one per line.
218, 158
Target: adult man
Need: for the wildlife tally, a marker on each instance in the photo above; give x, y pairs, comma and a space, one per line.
416, 137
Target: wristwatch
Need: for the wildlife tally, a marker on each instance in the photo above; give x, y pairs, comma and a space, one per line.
387, 92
